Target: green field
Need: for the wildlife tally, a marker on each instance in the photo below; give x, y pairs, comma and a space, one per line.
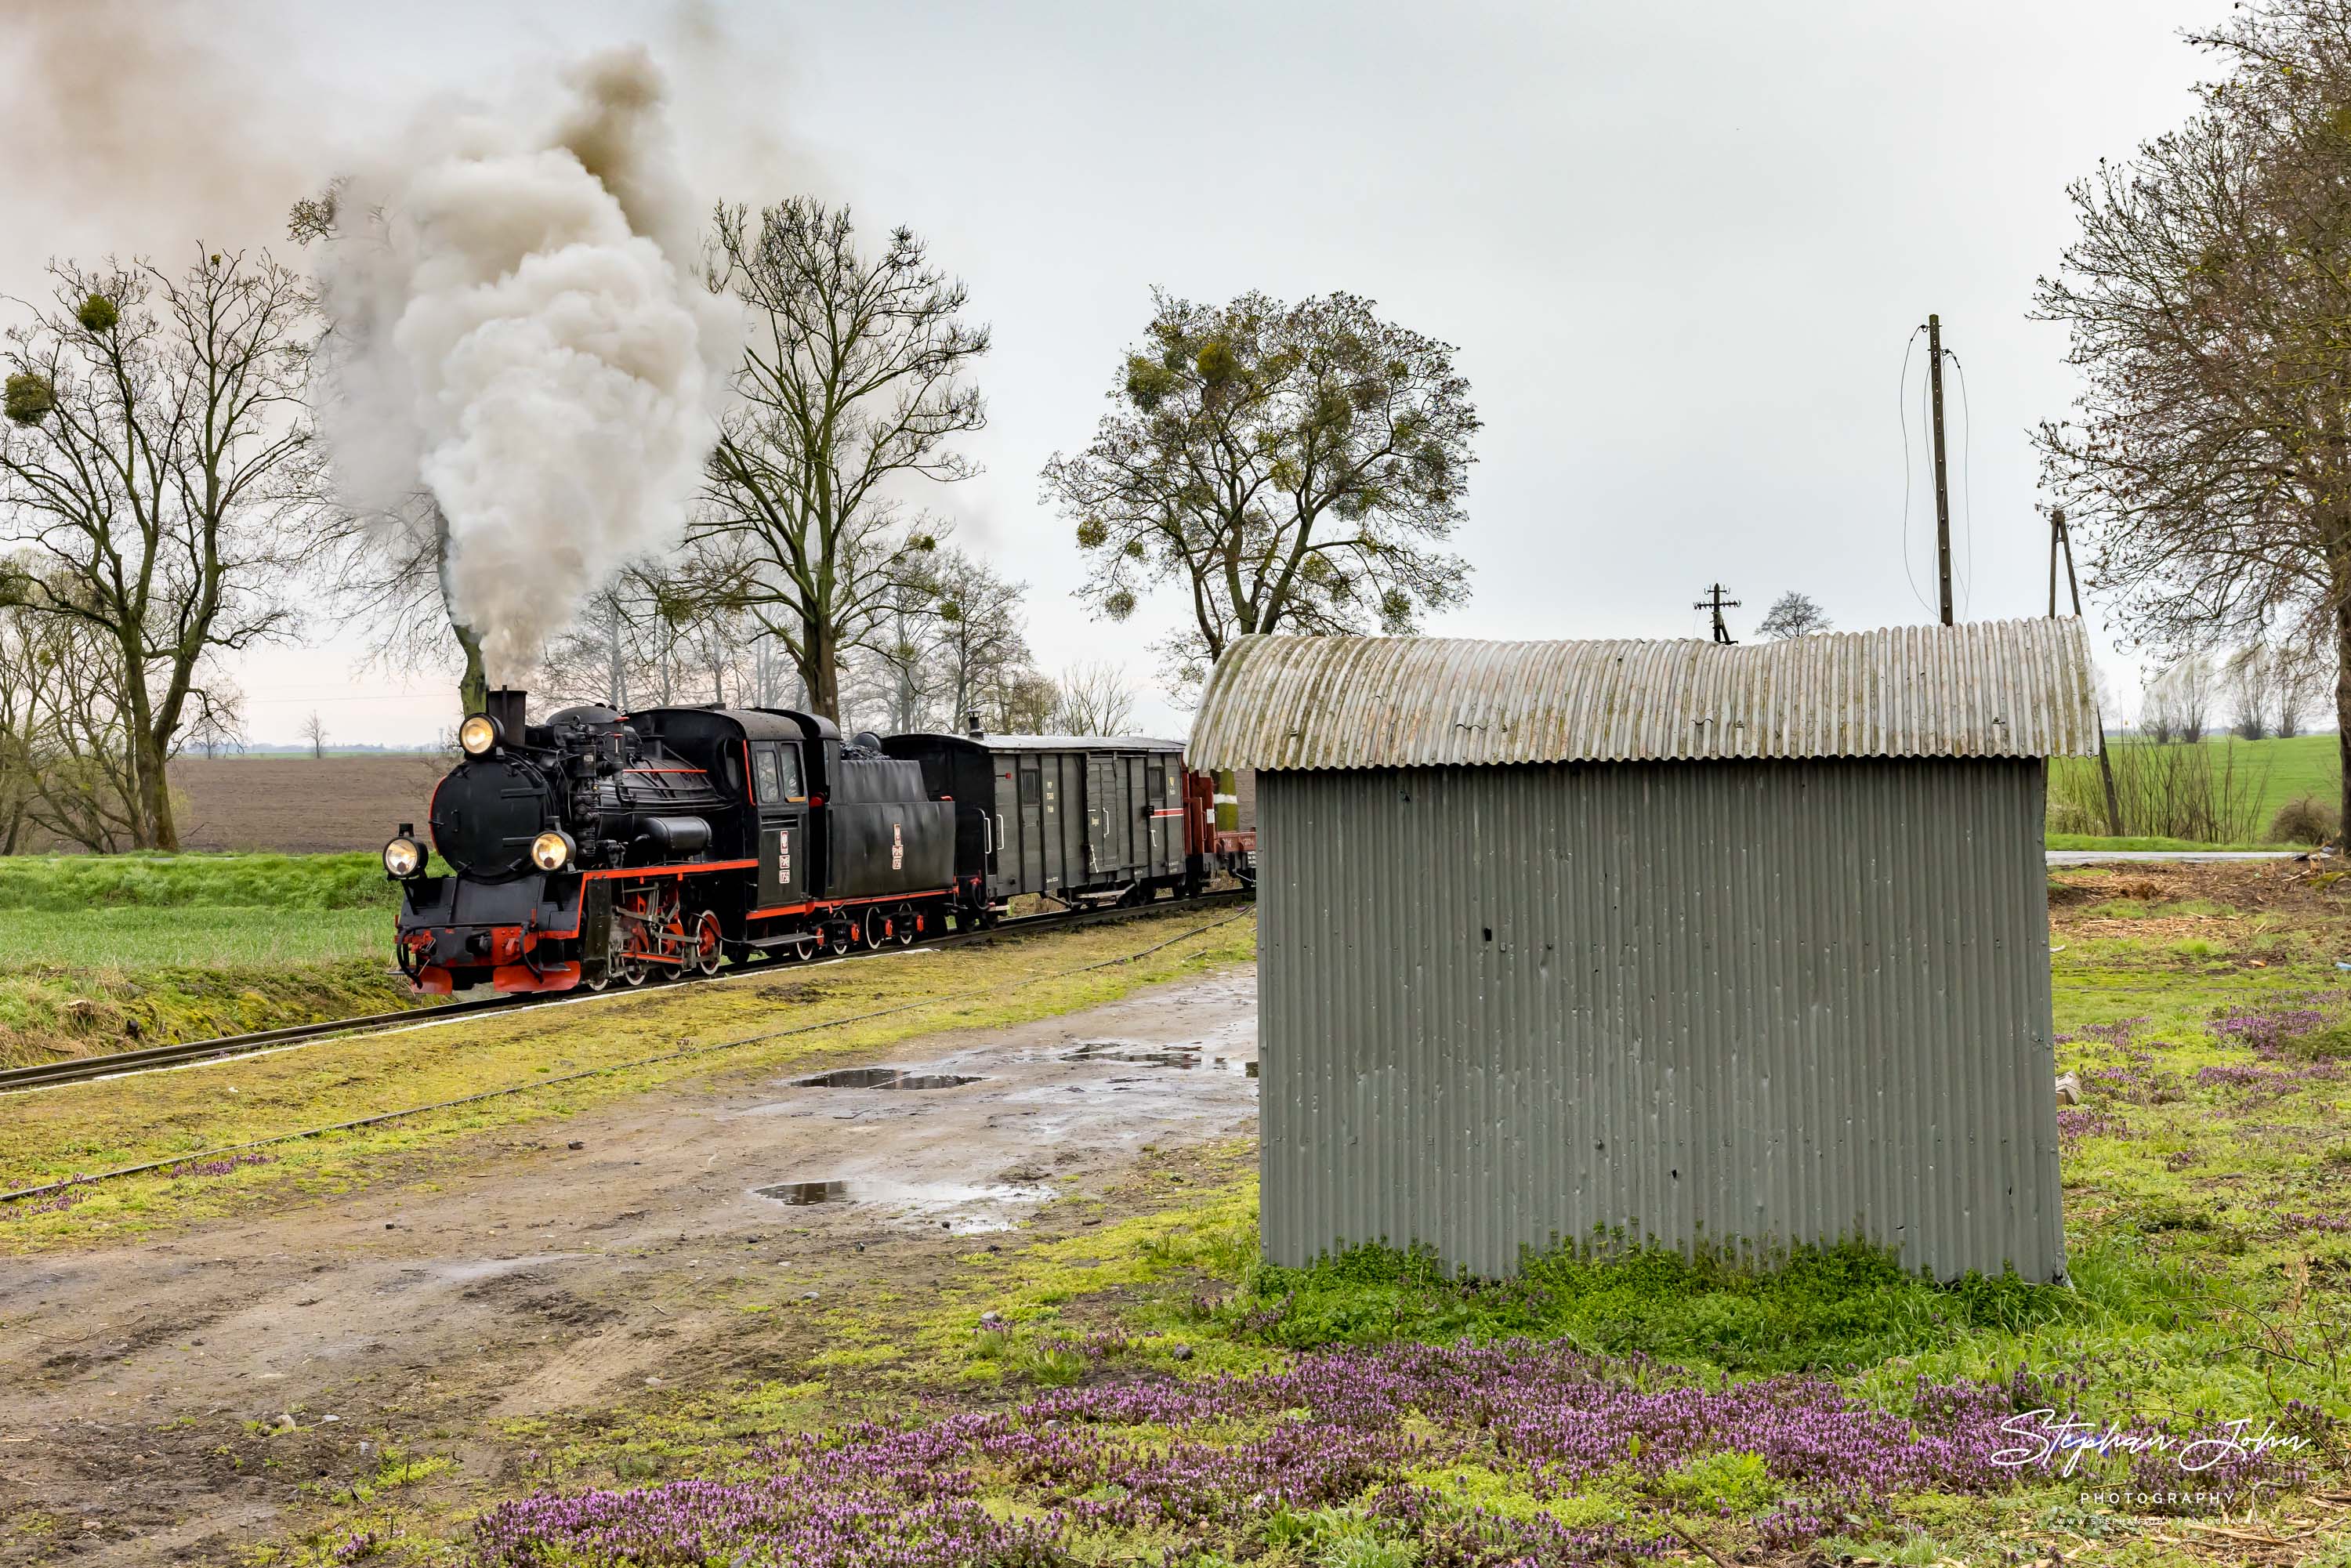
2306, 765
276, 881
2241, 784
107, 951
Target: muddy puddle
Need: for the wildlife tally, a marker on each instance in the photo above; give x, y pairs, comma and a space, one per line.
883, 1078
965, 1207
1141, 1053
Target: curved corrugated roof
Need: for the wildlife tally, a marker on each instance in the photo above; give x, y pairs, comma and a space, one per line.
1988, 688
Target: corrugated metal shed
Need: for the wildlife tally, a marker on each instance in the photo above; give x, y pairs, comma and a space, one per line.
1999, 688
1737, 1002
1740, 946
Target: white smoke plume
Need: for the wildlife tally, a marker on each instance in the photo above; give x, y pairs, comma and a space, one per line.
520, 338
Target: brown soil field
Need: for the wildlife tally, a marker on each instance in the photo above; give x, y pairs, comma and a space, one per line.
302, 805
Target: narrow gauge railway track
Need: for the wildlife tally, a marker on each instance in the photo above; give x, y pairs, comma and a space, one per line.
76, 1070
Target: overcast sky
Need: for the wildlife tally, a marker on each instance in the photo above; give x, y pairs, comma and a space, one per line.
1680, 254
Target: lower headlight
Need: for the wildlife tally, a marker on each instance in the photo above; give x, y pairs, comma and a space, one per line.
402, 857
552, 850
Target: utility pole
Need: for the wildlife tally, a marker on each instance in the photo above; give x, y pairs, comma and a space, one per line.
1715, 602
1942, 484
2060, 540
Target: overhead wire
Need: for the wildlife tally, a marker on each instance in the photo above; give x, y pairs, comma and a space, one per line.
1902, 408
1967, 482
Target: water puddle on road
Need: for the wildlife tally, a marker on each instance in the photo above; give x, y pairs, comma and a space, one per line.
1137, 1054
801, 1194
966, 1208
882, 1078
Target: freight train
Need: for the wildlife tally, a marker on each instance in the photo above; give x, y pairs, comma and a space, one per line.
598, 848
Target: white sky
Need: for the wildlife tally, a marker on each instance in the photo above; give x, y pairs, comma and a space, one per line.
1680, 254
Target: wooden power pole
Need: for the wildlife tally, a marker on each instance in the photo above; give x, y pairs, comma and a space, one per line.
2061, 542
1942, 482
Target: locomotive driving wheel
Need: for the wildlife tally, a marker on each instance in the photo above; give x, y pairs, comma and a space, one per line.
876, 928
709, 943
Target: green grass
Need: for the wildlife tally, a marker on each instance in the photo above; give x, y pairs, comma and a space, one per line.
1834, 1307
139, 937
275, 882
2305, 765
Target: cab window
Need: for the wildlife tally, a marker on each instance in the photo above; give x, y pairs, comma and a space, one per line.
788, 762
763, 770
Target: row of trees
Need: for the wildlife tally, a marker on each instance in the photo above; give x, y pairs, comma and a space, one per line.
2255, 692
1281, 467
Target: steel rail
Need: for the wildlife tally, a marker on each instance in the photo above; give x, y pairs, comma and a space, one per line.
152, 1058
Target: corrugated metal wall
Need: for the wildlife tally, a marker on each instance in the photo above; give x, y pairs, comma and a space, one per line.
1744, 1001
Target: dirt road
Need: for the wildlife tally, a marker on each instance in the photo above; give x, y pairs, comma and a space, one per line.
170, 1402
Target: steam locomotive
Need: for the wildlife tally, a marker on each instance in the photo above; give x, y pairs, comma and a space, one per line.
598, 847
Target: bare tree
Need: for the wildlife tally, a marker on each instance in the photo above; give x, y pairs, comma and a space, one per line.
2305, 678
1792, 614
983, 645
1095, 699
314, 730
388, 577
158, 464
1026, 703
1287, 468
2250, 678
2178, 701
852, 382
215, 729
64, 763
2208, 292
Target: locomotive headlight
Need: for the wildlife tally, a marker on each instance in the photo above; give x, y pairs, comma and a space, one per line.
477, 734
402, 857
552, 850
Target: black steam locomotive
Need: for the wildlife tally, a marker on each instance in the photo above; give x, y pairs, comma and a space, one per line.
598, 847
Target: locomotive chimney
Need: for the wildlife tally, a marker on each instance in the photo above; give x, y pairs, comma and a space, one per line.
506, 705
971, 725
